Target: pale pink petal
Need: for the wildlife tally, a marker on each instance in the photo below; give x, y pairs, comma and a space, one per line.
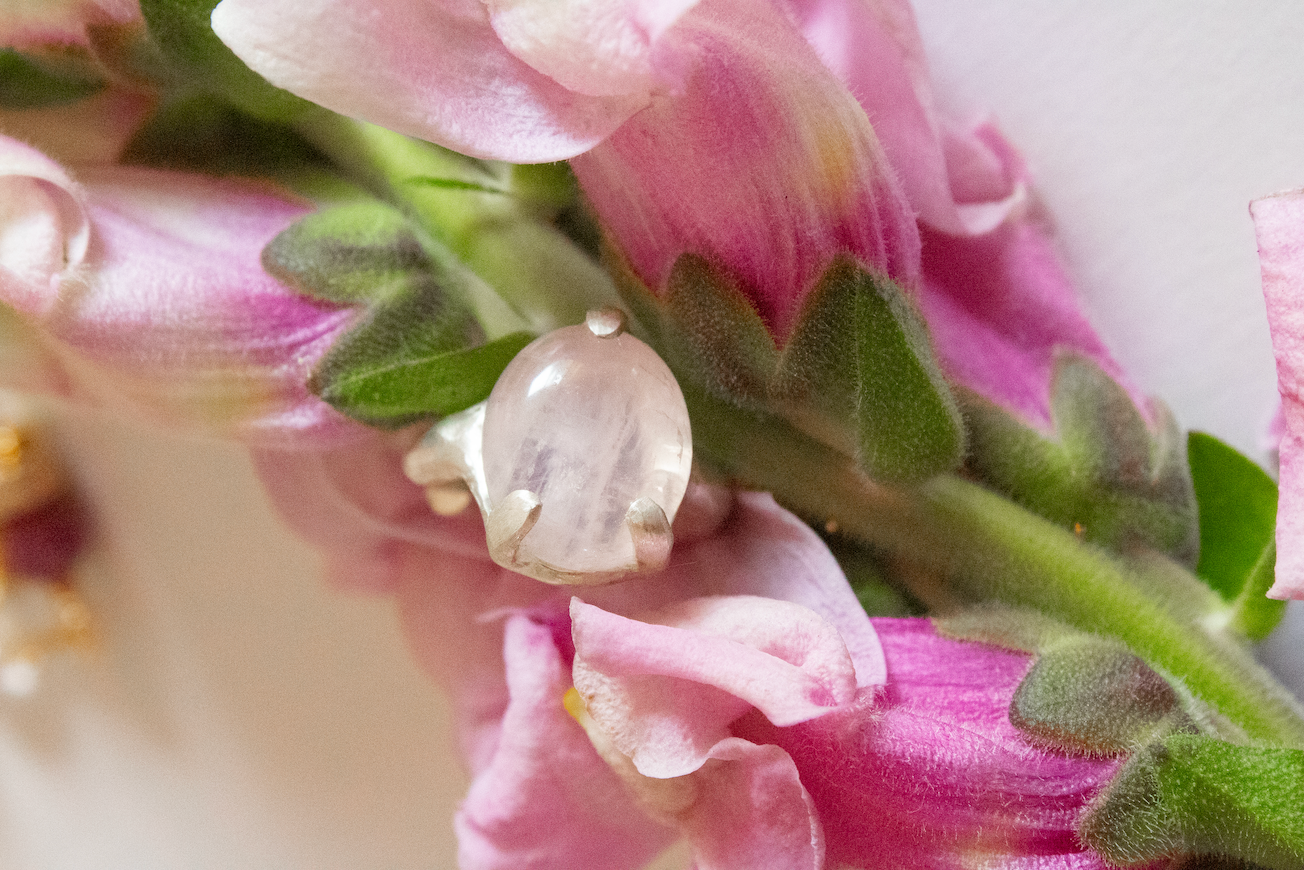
168, 314
595, 47
354, 504
434, 69
44, 228
762, 162
1000, 307
546, 800
764, 550
1279, 224
666, 693
753, 811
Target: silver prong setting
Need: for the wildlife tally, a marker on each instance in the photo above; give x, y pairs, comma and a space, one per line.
606, 322
650, 529
508, 524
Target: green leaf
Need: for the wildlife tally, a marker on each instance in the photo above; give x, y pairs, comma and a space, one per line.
716, 333
1193, 795
359, 252
1238, 515
908, 422
51, 78
183, 31
392, 389
1102, 473
455, 184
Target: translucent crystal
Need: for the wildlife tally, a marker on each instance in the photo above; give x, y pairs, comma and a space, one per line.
589, 420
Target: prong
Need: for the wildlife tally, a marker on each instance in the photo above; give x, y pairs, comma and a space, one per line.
448, 499
434, 463
508, 524
605, 322
650, 530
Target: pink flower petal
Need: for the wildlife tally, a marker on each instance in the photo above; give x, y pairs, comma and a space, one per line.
594, 47
667, 691
933, 774
44, 228
354, 503
434, 69
1279, 224
1000, 307
151, 286
764, 550
951, 177
763, 162
546, 800
93, 130
753, 811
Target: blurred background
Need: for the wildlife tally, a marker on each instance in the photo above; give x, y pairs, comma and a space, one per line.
239, 713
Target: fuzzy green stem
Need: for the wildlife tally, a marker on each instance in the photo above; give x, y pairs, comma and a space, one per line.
470, 206
986, 547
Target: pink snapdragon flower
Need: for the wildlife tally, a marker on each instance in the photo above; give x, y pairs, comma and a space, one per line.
1279, 224
767, 136
740, 700
148, 288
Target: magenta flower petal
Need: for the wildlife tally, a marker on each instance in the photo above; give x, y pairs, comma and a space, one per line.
1279, 224
434, 69
1000, 307
546, 800
150, 285
761, 161
934, 774
666, 690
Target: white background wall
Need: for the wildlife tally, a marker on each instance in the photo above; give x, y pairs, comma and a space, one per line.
242, 715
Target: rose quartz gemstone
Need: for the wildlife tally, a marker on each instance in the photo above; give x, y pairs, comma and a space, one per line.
589, 425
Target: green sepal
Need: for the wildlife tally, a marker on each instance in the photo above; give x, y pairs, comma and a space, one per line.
715, 334
400, 387
54, 77
908, 423
363, 252
1092, 695
1238, 518
417, 352
859, 372
1193, 795
1084, 694
182, 30
1102, 473
202, 133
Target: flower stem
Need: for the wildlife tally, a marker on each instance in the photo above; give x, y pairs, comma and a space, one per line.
472, 207
985, 547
